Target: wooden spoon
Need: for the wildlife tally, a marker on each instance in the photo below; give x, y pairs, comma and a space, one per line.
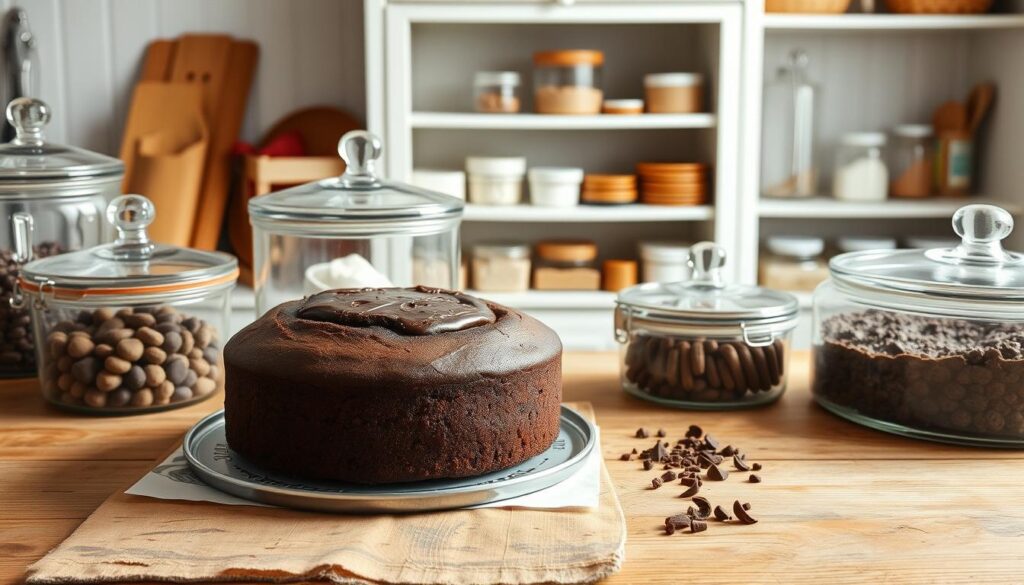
950, 117
978, 104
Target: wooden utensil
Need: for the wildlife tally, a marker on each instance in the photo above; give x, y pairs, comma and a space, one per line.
950, 117
979, 102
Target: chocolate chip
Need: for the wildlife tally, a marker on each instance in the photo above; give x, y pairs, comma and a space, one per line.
642, 433
656, 483
740, 463
670, 529
668, 476
679, 521
135, 378
754, 478
689, 481
728, 451
716, 473
756, 467
698, 526
746, 506
661, 433
740, 510
177, 369
703, 507
625, 457
711, 443
694, 432
648, 465
690, 491
721, 514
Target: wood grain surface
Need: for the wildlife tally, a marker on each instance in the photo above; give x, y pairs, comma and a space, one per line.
838, 504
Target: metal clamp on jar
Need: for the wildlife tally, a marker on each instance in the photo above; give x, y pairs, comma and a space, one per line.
704, 344
927, 343
131, 326
352, 231
59, 192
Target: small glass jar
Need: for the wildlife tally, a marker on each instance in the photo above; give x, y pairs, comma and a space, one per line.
568, 82
501, 267
131, 326
64, 191
910, 161
704, 344
927, 343
665, 261
793, 263
860, 171
352, 231
674, 93
566, 265
496, 180
790, 121
555, 186
496, 92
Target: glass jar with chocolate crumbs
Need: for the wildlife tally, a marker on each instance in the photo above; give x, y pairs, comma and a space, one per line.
703, 343
131, 326
927, 343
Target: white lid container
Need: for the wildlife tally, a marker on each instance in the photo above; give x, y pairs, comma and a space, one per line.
495, 78
555, 186
864, 139
863, 243
665, 261
678, 79
496, 180
795, 246
500, 166
913, 131
443, 181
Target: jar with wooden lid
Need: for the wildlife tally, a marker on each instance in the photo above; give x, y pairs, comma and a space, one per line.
618, 274
496, 92
674, 93
566, 265
568, 82
623, 106
501, 267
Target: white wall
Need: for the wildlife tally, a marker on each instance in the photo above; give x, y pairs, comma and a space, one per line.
311, 52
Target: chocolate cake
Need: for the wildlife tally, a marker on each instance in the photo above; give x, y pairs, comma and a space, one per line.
392, 385
933, 373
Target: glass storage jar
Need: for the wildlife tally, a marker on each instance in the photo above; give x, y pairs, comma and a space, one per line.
351, 231
673, 93
704, 344
927, 343
501, 267
567, 82
910, 161
860, 173
64, 191
131, 326
793, 263
496, 92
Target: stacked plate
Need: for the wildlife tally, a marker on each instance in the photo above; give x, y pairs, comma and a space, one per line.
673, 183
608, 189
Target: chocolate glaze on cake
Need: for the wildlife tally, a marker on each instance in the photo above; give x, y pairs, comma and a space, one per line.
392, 385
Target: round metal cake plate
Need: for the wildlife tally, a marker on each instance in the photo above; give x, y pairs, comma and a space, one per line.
209, 456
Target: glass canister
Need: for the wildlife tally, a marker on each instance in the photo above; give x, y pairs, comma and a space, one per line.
791, 114
861, 173
131, 326
496, 92
910, 161
352, 231
704, 344
793, 263
927, 343
568, 82
64, 191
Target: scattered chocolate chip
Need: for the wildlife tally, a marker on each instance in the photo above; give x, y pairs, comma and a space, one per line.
754, 478
668, 476
694, 432
721, 514
634, 451
690, 491
656, 483
679, 521
740, 464
658, 452
703, 507
728, 451
625, 457
711, 442
698, 526
689, 481
670, 529
756, 467
661, 433
741, 513
642, 433
716, 473
746, 506
648, 465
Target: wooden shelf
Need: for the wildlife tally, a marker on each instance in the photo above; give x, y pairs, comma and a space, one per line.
454, 120
552, 299
826, 207
588, 213
880, 22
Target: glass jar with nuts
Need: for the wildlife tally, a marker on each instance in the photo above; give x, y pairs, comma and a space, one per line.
131, 326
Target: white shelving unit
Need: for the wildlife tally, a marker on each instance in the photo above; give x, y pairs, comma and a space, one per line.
874, 70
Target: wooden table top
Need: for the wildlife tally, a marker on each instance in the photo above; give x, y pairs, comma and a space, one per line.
838, 502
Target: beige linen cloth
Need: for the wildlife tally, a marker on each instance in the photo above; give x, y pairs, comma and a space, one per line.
133, 539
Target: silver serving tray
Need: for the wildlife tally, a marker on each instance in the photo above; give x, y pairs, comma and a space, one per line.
209, 456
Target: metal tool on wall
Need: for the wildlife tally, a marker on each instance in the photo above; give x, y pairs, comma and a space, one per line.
21, 61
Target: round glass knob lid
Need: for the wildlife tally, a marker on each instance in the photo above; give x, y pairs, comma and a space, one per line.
131, 215
29, 116
707, 259
981, 228
360, 150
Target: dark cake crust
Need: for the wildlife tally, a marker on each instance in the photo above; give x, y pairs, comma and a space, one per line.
367, 404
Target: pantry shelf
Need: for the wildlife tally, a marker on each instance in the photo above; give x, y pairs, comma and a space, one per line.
550, 299
826, 207
586, 213
897, 22
446, 120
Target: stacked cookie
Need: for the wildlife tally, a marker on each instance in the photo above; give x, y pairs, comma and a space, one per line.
673, 183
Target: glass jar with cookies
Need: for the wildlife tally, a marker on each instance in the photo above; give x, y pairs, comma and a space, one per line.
131, 326
704, 344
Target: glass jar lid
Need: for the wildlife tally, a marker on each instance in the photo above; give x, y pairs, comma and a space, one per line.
29, 158
707, 301
131, 266
978, 269
358, 202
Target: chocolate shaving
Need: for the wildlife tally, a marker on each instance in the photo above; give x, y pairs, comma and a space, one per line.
716, 473
721, 514
703, 507
690, 491
741, 513
740, 464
